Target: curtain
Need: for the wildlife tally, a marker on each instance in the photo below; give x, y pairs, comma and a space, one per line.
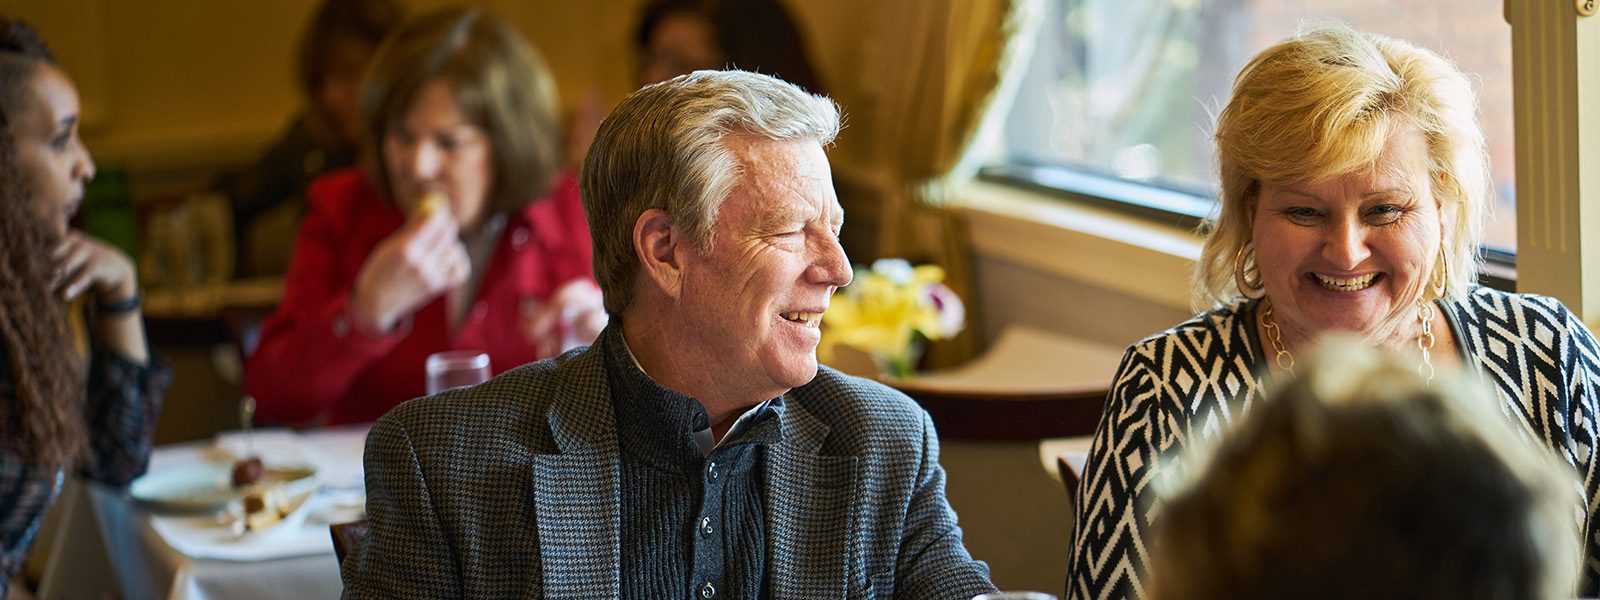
952, 68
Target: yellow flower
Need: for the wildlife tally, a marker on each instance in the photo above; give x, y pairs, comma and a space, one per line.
884, 309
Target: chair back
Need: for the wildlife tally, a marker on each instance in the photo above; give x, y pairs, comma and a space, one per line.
1070, 465
347, 536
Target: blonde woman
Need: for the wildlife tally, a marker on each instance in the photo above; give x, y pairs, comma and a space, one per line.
1353, 193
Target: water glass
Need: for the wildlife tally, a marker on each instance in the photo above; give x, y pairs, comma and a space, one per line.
1014, 596
456, 368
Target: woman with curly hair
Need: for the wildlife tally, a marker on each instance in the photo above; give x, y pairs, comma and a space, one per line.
48, 425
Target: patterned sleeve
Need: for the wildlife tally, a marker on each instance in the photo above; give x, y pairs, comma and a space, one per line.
123, 402
1545, 365
406, 554
1583, 380
1109, 555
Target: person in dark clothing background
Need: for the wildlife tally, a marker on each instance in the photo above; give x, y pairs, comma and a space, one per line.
678, 36
269, 199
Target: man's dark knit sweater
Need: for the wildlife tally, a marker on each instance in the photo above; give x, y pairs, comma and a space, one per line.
693, 525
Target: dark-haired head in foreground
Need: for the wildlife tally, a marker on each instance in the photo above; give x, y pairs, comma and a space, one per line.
1360, 481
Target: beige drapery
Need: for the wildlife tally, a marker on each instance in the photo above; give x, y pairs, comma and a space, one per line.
952, 68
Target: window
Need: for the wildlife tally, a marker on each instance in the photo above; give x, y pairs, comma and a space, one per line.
1120, 98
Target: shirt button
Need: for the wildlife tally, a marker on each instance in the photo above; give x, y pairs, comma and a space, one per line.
711, 471
707, 591
705, 526
479, 309
341, 326
519, 239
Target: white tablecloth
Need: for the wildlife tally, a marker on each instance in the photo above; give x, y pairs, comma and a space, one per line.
148, 565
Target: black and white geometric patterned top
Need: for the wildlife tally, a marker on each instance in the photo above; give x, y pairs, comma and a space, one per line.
1193, 381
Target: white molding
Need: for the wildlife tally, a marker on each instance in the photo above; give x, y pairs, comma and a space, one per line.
1556, 83
1100, 247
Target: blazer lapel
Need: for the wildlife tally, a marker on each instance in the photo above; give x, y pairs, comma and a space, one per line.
576, 497
809, 528
576, 492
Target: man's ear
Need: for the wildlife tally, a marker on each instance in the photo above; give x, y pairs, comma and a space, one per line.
656, 243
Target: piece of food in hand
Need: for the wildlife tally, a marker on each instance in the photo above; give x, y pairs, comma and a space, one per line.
248, 471
430, 202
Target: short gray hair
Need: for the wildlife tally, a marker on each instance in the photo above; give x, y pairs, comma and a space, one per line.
664, 148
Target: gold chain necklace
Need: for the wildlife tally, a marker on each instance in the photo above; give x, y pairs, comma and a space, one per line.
1285, 360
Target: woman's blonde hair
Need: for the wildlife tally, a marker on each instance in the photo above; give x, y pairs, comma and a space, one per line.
500, 82
1323, 104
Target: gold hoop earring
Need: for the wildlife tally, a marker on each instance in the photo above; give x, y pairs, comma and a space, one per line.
1439, 279
1241, 278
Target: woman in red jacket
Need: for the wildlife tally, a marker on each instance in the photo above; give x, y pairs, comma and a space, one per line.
459, 233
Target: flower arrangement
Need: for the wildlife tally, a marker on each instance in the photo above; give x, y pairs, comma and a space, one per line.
889, 312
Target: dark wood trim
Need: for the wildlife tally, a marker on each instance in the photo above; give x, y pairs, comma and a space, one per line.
1015, 416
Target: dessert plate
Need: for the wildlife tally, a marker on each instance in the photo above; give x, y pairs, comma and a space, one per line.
206, 486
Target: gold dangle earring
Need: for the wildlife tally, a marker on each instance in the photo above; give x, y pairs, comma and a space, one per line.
1241, 277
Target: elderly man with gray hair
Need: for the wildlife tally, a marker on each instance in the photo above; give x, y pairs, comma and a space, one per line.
696, 449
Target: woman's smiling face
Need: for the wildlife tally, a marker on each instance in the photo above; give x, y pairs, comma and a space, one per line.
1346, 253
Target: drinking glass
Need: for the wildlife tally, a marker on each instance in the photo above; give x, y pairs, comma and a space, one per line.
456, 368
1014, 596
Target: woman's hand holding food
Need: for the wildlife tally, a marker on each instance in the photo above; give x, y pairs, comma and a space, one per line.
417, 263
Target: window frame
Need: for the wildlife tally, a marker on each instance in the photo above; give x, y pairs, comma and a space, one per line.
1166, 206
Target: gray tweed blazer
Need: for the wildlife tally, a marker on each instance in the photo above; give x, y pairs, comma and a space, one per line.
510, 489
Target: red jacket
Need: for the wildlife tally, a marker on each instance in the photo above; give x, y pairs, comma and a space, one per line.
312, 366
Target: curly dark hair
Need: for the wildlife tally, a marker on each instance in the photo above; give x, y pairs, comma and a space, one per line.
754, 35
18, 37
46, 393
21, 51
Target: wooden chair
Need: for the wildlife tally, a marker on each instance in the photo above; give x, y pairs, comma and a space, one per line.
1070, 465
347, 536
